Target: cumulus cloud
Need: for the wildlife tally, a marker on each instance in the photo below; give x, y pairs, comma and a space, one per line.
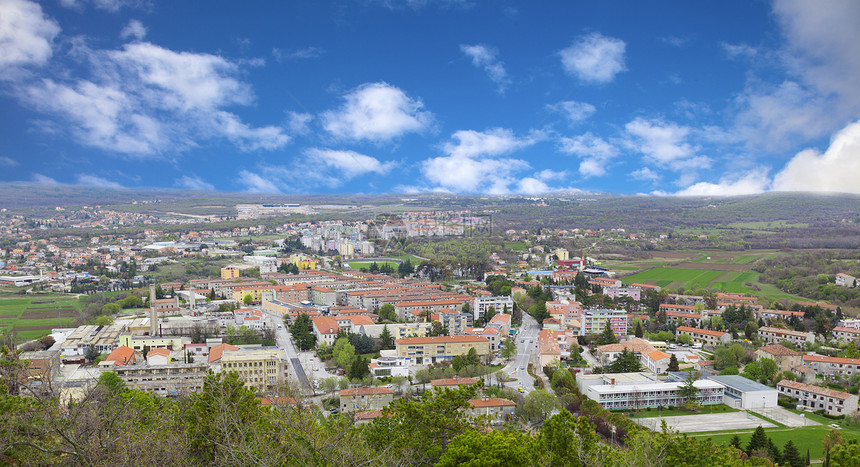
837, 170
661, 142
493, 142
574, 111
8, 162
348, 164
594, 58
645, 174
134, 29
595, 153
193, 182
107, 5
750, 183
93, 180
26, 36
485, 58
254, 183
377, 112
144, 100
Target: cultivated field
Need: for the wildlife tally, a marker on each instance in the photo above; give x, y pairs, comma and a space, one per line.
34, 316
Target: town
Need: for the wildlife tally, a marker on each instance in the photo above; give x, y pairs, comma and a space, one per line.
344, 317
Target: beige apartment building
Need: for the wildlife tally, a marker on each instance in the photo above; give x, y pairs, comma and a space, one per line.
427, 350
260, 368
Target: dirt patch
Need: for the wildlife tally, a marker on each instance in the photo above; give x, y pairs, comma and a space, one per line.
45, 314
713, 266
33, 328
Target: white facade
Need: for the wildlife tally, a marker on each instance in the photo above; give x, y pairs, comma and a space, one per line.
482, 304
657, 394
743, 393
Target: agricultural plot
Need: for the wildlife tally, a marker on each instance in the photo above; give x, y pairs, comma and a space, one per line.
669, 277
34, 316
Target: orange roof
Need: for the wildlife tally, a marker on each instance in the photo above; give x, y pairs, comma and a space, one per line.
788, 332
701, 331
440, 339
778, 350
658, 355
121, 355
326, 324
492, 402
454, 382
814, 389
158, 352
374, 391
823, 359
848, 330
217, 351
368, 415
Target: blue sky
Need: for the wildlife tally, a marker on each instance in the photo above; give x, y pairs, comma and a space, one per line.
385, 96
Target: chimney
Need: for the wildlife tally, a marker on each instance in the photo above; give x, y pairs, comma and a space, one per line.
153, 315
193, 300
612, 381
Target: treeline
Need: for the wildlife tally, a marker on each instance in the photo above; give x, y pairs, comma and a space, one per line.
225, 424
813, 275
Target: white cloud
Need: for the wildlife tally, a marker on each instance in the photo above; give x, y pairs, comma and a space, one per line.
193, 182
645, 174
44, 179
662, 143
675, 41
108, 5
594, 58
549, 174
8, 162
25, 36
753, 182
469, 175
573, 110
299, 123
349, 164
377, 112
248, 138
739, 50
493, 142
595, 153
532, 186
134, 29
297, 54
837, 170
92, 180
485, 57
254, 183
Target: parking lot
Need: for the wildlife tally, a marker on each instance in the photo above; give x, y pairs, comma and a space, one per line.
706, 422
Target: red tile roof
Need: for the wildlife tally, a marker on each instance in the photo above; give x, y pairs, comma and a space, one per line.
373, 391
440, 340
492, 402
217, 351
121, 355
814, 389
707, 332
454, 382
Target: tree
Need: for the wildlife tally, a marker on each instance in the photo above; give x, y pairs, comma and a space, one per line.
329, 385
104, 320
736, 442
625, 362
386, 340
752, 370
343, 353
359, 368
673, 363
638, 331
405, 268
92, 354
689, 392
791, 456
758, 440
301, 331
769, 368
539, 405
422, 376
607, 337
509, 349
113, 383
248, 299
570, 441
684, 339
496, 448
387, 311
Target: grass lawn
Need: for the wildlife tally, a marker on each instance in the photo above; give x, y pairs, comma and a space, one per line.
366, 264
516, 246
691, 278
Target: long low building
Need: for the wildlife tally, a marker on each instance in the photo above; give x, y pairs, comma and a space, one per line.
743, 393
774, 335
428, 350
832, 366
705, 336
657, 394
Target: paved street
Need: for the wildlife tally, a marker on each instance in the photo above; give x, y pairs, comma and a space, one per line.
282, 336
526, 341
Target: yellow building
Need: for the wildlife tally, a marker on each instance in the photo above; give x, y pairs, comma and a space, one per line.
229, 273
562, 254
139, 342
258, 367
303, 262
404, 330
427, 350
257, 293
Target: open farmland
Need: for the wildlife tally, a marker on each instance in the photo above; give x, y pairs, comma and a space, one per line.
675, 277
34, 316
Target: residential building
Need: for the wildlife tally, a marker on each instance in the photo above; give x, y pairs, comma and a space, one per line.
777, 314
164, 380
849, 334
853, 323
654, 360
657, 394
427, 350
671, 307
215, 353
120, 356
453, 382
785, 358
42, 365
593, 321
705, 336
262, 367
817, 398
774, 335
159, 356
832, 366
495, 410
846, 280
617, 292
743, 393
230, 272
386, 366
325, 328
365, 399
500, 304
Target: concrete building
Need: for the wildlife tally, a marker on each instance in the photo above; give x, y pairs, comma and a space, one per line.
164, 380
42, 365
496, 411
427, 350
705, 336
832, 366
743, 393
365, 399
230, 272
774, 335
167, 342
785, 358
656, 394
103, 338
817, 398
261, 368
499, 304
389, 365
849, 334
453, 382
594, 322
159, 356
846, 280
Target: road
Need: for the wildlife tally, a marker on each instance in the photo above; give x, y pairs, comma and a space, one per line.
282, 337
526, 341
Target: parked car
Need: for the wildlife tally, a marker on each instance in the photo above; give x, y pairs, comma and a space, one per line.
334, 411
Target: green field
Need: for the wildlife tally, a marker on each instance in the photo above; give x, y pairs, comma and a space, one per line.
36, 311
688, 278
366, 264
804, 438
516, 246
765, 226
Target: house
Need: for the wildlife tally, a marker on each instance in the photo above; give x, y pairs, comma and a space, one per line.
774, 335
496, 411
818, 398
785, 358
365, 399
849, 334
846, 280
120, 356
325, 328
705, 336
453, 382
832, 366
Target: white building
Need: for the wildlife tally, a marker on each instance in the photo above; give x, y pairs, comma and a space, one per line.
499, 304
774, 335
743, 393
816, 397
657, 394
594, 322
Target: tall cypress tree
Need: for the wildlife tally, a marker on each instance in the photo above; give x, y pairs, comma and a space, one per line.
757, 441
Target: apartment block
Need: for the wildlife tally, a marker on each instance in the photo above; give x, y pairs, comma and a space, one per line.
261, 368
364, 399
499, 304
594, 322
427, 350
705, 336
816, 397
832, 366
164, 380
774, 335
